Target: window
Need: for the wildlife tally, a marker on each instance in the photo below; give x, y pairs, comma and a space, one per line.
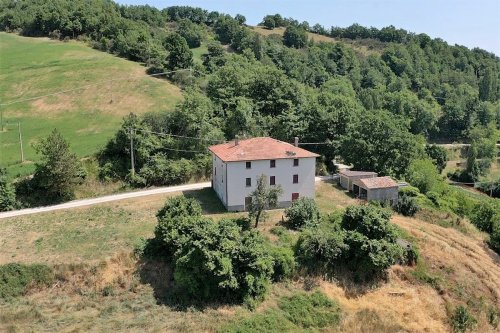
296, 162
295, 196
272, 163
249, 182
215, 170
272, 180
295, 179
249, 165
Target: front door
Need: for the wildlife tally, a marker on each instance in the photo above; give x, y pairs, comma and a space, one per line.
248, 202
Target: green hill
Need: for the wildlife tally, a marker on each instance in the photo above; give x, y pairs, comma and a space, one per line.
31, 67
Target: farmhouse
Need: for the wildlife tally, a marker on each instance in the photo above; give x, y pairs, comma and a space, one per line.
238, 164
377, 188
347, 177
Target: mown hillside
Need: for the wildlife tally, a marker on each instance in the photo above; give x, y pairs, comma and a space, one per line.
31, 67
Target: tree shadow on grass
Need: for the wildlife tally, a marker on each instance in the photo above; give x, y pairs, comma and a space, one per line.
353, 281
208, 199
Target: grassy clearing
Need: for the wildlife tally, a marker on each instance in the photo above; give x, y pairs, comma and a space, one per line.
198, 53
364, 46
32, 67
100, 286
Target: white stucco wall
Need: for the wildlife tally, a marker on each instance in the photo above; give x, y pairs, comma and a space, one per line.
237, 173
219, 178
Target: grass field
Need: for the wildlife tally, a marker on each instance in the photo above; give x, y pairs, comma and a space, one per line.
363, 46
104, 287
31, 67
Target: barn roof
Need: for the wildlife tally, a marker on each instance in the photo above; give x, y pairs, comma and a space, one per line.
376, 182
262, 148
351, 173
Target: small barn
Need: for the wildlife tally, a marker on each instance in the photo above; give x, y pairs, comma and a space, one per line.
377, 188
347, 177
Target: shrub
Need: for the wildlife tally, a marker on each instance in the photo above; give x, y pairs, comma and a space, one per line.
495, 237
371, 240
434, 197
320, 250
7, 193
16, 279
169, 217
283, 263
462, 320
407, 205
484, 215
179, 206
409, 191
213, 260
162, 171
310, 311
424, 175
302, 213
230, 265
369, 221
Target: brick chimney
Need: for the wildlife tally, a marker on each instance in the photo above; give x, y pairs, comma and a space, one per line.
296, 142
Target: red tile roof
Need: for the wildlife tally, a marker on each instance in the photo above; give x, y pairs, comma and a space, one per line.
351, 173
377, 182
263, 148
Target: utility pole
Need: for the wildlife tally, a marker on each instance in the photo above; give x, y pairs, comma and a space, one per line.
20, 141
111, 88
1, 118
132, 132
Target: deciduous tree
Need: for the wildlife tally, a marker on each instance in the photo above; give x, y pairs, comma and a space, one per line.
263, 197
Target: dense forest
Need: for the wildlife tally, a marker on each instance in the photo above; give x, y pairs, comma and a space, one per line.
373, 109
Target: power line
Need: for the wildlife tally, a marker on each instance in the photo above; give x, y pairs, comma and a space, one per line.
89, 85
315, 143
178, 136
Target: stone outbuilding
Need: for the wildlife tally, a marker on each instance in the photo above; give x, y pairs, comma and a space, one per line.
347, 177
377, 188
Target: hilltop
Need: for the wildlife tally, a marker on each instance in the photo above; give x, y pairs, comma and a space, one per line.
31, 67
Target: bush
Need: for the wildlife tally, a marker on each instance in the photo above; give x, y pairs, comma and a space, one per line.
16, 279
462, 320
484, 215
168, 218
410, 191
310, 311
495, 237
161, 171
179, 206
319, 250
406, 205
7, 193
302, 213
216, 261
424, 175
371, 240
213, 260
283, 263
